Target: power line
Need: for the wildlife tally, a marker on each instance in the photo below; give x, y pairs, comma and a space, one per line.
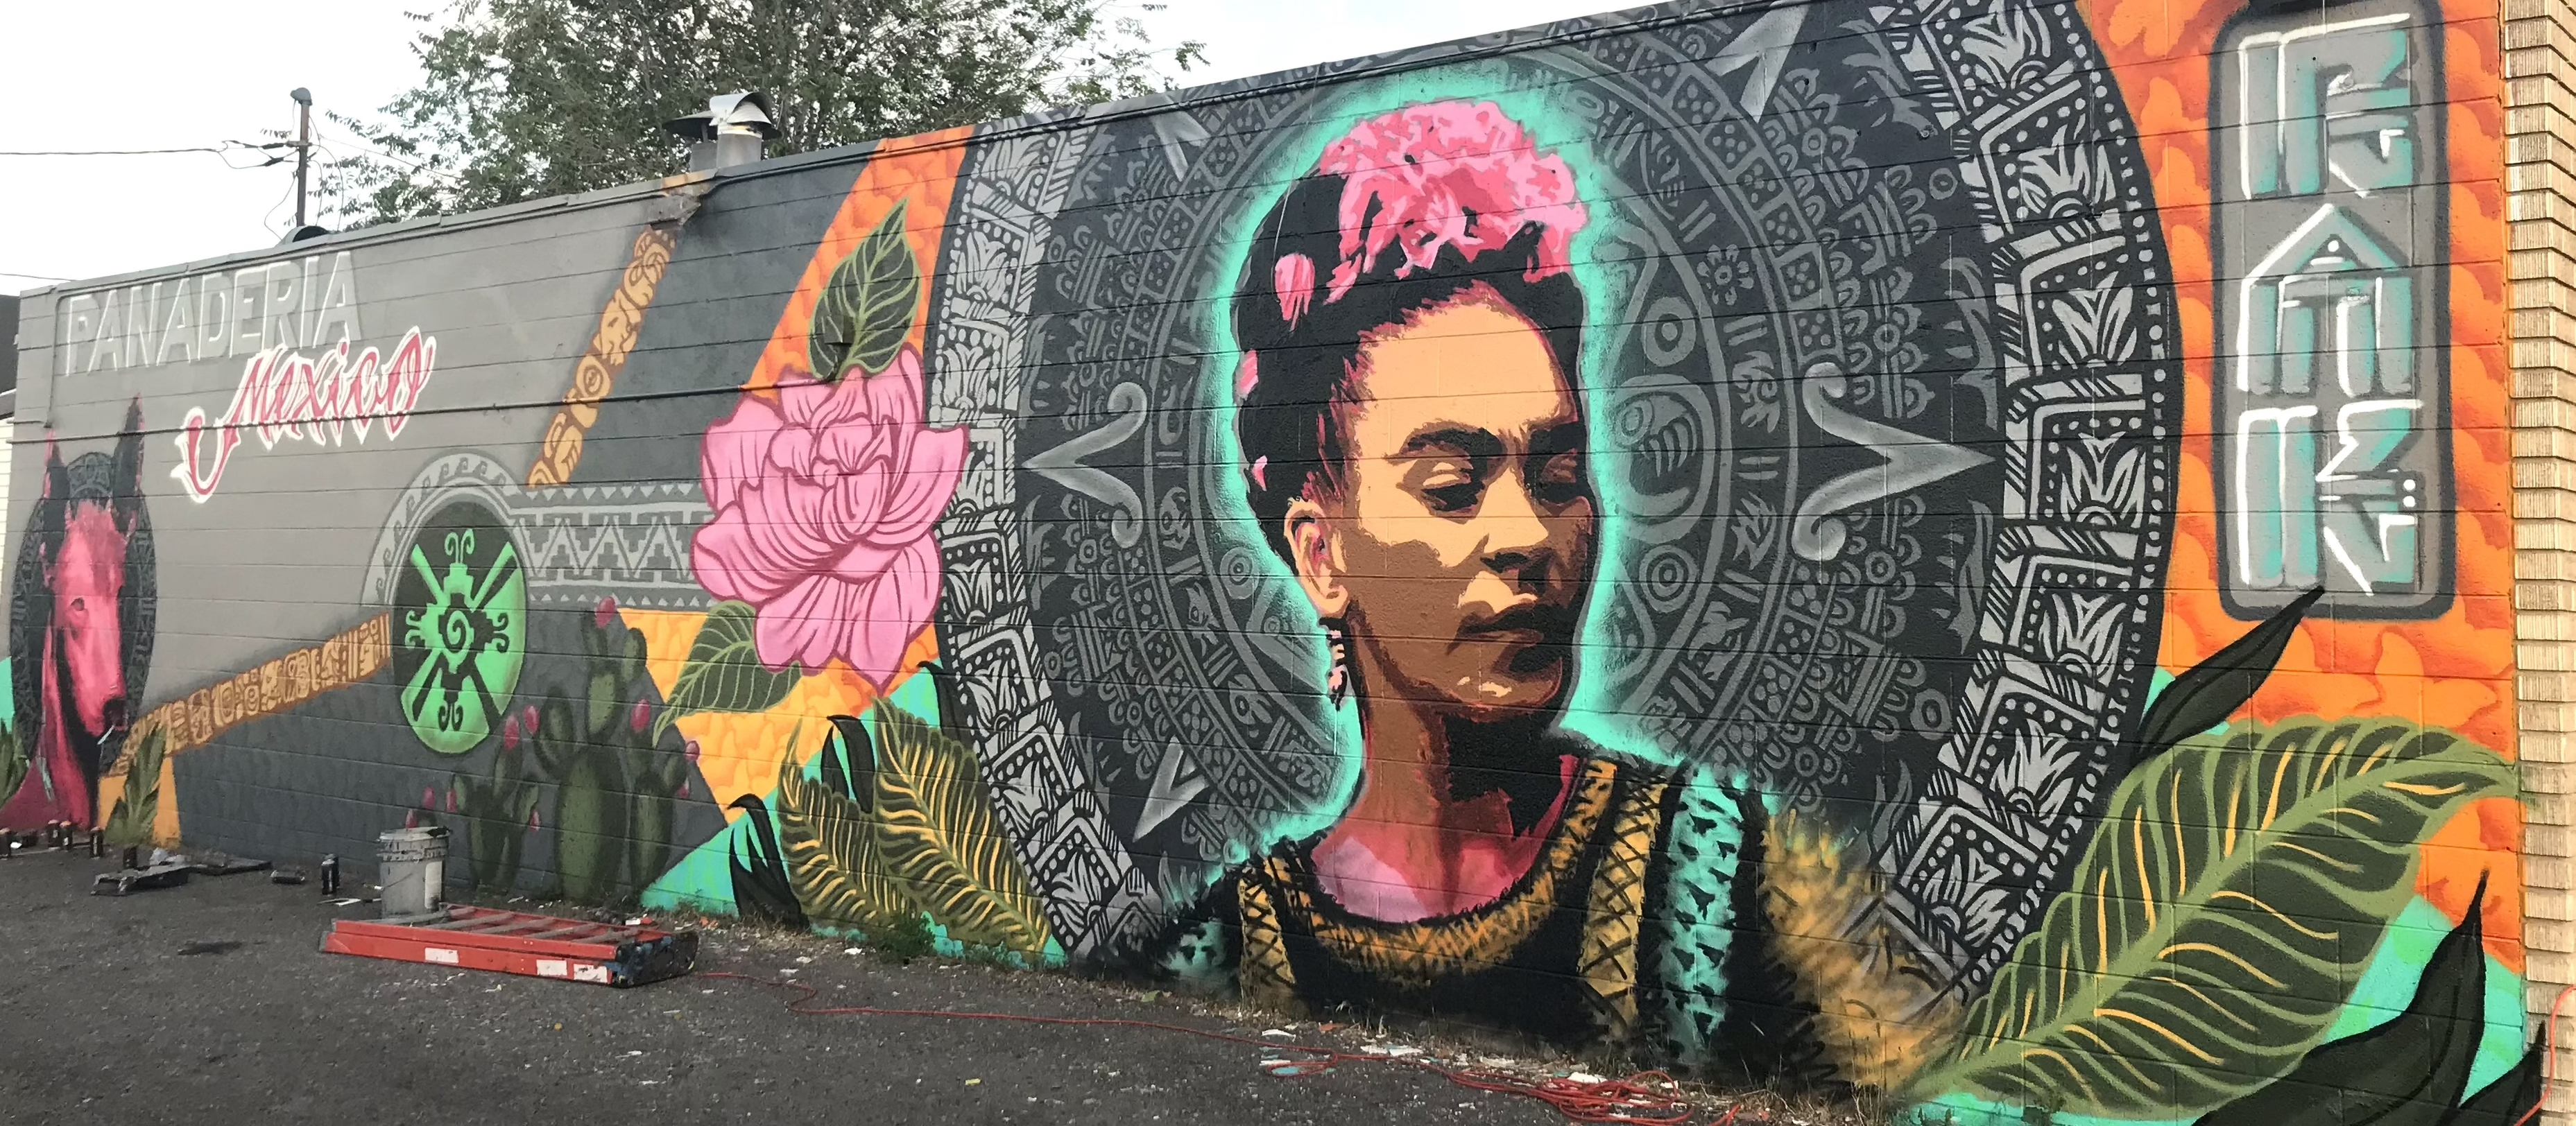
37, 277
109, 152
418, 166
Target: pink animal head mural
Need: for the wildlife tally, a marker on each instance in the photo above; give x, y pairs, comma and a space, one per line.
81, 635
87, 577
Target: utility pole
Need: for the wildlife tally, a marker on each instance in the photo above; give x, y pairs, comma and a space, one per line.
303, 147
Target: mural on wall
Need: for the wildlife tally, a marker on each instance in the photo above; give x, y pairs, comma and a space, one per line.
80, 629
1952, 547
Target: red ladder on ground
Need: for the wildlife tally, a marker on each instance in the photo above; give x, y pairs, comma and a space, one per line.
481, 938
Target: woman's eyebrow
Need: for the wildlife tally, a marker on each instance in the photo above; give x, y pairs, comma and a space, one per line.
1563, 437
1464, 440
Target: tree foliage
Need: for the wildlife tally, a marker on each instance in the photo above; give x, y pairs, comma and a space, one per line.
521, 99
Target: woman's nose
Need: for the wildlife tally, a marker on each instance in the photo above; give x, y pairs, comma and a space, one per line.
1515, 536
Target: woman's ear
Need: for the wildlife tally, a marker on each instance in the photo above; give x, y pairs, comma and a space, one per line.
1315, 550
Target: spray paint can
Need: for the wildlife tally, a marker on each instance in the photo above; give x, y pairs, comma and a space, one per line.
133, 857
97, 843
330, 873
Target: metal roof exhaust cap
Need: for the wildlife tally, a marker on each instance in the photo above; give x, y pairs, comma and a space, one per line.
733, 130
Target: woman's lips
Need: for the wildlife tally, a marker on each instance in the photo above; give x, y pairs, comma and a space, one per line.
1530, 624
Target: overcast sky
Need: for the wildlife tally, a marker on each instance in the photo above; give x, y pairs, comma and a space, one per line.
190, 73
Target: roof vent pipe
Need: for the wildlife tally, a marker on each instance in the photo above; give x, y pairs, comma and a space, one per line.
733, 130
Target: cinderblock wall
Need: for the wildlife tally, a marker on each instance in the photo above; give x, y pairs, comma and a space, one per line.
2000, 552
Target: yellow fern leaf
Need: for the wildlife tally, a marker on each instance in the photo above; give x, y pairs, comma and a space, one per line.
829, 845
937, 836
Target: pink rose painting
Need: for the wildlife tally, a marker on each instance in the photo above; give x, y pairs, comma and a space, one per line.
824, 500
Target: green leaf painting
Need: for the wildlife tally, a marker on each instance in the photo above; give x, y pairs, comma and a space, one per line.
13, 764
918, 837
723, 672
2406, 1072
139, 807
2215, 924
866, 308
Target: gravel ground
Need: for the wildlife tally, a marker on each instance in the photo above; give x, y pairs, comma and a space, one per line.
210, 1003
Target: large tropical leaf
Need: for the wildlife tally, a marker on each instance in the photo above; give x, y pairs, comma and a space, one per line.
2407, 1072
866, 309
937, 834
920, 838
723, 672
2217, 919
829, 845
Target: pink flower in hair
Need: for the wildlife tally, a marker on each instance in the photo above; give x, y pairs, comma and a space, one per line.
1294, 277
1247, 375
1447, 174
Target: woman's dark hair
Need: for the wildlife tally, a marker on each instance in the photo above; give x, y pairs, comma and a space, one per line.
1337, 261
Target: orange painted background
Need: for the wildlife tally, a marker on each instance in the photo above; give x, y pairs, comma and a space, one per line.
2455, 671
922, 169
740, 753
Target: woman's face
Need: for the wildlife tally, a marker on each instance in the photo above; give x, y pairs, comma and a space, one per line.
1459, 547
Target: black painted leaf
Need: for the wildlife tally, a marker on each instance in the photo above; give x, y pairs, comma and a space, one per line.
850, 765
2410, 1071
952, 707
2208, 693
723, 672
760, 888
2504, 1102
866, 309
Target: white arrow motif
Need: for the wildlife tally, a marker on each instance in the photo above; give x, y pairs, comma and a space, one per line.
1170, 795
1911, 461
1764, 46
1064, 464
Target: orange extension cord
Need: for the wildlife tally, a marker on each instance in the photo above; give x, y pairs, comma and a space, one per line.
1643, 1097
2548, 1056
1647, 1096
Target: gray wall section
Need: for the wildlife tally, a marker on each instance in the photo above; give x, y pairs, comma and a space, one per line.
277, 557
9, 354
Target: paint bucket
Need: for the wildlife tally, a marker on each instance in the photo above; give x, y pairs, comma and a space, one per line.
411, 866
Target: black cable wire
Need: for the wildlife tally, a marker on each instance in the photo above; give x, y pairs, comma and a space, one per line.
107, 152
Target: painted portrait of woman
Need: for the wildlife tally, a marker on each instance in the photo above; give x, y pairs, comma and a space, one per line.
1416, 449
